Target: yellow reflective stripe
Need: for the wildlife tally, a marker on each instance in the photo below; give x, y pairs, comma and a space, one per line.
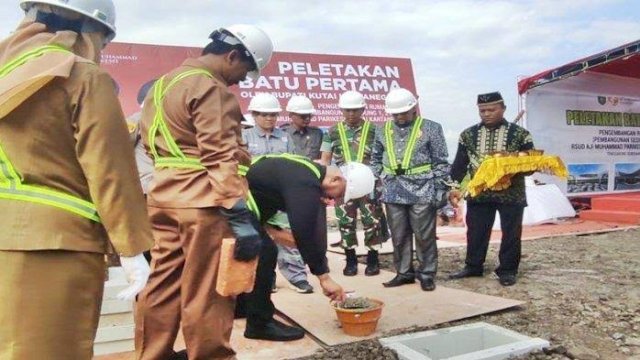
186, 163
11, 187
293, 157
45, 196
363, 141
20, 60
411, 171
346, 149
242, 170
251, 202
178, 159
252, 205
408, 152
419, 169
7, 173
391, 152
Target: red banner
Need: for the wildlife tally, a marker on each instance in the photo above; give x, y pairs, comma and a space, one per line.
322, 78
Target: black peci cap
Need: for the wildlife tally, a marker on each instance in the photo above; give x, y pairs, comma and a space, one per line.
490, 98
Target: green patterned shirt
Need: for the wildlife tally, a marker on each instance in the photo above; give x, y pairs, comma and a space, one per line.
478, 141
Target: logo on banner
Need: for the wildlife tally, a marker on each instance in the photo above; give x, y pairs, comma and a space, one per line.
611, 100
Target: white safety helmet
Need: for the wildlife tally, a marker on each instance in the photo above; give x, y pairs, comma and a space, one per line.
102, 11
399, 101
264, 102
360, 180
351, 100
257, 43
300, 105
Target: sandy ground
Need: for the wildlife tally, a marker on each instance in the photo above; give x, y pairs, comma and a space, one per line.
582, 293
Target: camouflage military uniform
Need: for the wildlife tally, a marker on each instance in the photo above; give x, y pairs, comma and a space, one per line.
371, 214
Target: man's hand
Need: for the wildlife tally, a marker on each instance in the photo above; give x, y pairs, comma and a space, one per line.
245, 227
454, 197
331, 289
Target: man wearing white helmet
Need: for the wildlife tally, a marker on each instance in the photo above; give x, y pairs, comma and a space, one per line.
265, 139
351, 140
191, 128
68, 182
306, 139
410, 156
298, 188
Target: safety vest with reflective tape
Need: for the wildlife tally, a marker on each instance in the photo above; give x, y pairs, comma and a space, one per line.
346, 149
242, 170
177, 158
403, 168
11, 185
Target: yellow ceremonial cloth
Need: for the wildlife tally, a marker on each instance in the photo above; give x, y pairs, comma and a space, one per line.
495, 172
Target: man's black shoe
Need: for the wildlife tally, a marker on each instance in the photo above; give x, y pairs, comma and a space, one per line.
274, 331
373, 265
399, 280
351, 268
466, 272
427, 284
507, 279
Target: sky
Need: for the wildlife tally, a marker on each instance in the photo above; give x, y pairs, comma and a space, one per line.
458, 48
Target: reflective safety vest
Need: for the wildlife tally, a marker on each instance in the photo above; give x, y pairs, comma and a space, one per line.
177, 158
11, 185
346, 149
251, 203
403, 169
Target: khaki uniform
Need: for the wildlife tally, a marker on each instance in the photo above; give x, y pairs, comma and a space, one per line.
203, 117
69, 136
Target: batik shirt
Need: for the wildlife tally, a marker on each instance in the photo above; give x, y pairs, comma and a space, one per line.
430, 149
331, 142
476, 143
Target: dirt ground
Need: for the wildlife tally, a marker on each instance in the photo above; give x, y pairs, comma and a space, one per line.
582, 293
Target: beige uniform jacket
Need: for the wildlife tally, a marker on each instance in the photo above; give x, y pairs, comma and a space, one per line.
71, 136
203, 117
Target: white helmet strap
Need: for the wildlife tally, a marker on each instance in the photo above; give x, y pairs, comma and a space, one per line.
55, 22
224, 37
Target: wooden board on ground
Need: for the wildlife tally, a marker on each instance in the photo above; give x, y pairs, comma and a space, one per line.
405, 306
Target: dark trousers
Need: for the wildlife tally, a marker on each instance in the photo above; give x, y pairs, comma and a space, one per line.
405, 223
480, 218
257, 305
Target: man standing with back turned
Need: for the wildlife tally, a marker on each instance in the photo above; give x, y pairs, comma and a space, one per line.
68, 182
191, 128
492, 134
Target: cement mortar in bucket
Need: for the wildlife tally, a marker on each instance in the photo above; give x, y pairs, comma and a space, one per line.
359, 321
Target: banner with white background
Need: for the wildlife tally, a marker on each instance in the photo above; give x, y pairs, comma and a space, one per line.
592, 121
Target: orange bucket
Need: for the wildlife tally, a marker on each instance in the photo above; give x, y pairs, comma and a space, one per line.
360, 322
